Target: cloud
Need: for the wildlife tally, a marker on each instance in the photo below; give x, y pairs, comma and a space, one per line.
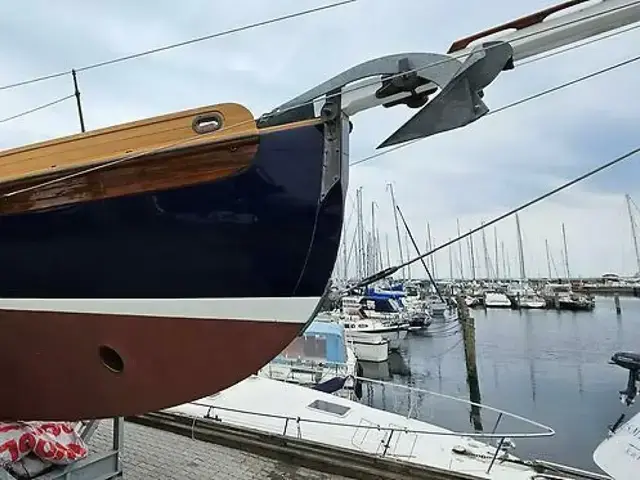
471, 174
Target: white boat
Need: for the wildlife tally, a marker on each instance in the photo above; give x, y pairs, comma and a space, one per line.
259, 404
619, 454
437, 308
410, 307
369, 347
320, 354
472, 301
524, 296
373, 315
531, 301
496, 300
392, 332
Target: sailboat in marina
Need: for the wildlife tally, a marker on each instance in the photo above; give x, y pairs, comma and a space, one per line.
523, 295
136, 257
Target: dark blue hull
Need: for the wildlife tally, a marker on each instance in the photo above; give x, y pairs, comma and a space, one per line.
259, 233
86, 309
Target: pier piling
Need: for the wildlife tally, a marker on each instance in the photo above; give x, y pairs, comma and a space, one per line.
616, 302
467, 324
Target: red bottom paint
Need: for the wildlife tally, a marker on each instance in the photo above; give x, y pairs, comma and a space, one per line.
65, 366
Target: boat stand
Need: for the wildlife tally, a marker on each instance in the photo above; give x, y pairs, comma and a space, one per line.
103, 465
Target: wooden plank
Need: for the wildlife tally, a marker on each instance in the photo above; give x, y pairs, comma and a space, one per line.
129, 139
154, 154
517, 24
159, 171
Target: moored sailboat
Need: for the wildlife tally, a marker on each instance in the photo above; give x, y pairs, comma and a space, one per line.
135, 257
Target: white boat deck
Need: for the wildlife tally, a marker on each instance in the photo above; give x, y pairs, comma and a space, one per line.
282, 409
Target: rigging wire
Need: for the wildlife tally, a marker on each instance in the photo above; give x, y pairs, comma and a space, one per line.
457, 56
180, 44
391, 270
415, 246
346, 90
35, 109
516, 103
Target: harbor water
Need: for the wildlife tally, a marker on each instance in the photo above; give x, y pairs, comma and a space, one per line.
551, 367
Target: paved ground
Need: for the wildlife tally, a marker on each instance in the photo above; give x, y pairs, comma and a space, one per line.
151, 454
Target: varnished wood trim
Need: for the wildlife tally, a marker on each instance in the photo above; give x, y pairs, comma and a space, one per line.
129, 139
159, 171
166, 153
290, 126
518, 24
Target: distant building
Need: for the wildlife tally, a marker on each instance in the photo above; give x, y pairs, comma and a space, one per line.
611, 277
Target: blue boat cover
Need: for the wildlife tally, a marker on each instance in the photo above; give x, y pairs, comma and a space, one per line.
335, 341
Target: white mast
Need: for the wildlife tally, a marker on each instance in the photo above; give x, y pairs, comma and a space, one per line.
634, 233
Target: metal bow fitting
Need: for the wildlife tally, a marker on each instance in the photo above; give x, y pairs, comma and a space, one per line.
410, 79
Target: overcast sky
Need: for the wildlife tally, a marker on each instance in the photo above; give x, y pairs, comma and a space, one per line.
472, 174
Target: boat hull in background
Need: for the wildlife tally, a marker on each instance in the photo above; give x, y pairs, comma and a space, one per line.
134, 303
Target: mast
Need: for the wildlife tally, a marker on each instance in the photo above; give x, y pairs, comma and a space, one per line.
506, 274
406, 249
386, 242
485, 250
634, 233
546, 247
472, 258
566, 253
363, 252
369, 253
460, 251
520, 249
450, 263
432, 257
357, 237
379, 247
497, 262
395, 219
374, 253
345, 257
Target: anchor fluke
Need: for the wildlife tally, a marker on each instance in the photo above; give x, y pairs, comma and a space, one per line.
460, 101
410, 79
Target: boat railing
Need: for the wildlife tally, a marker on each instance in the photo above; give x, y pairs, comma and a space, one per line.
416, 396
502, 440
319, 369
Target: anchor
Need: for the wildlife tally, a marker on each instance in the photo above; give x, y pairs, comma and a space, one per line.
410, 79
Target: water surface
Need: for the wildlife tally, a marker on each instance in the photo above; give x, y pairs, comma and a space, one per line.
551, 367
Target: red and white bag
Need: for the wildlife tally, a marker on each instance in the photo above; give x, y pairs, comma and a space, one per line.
43, 443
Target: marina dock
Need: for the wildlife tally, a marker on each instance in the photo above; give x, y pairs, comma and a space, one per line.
150, 453
163, 446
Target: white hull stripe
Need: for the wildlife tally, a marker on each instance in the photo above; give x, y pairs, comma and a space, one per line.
270, 309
